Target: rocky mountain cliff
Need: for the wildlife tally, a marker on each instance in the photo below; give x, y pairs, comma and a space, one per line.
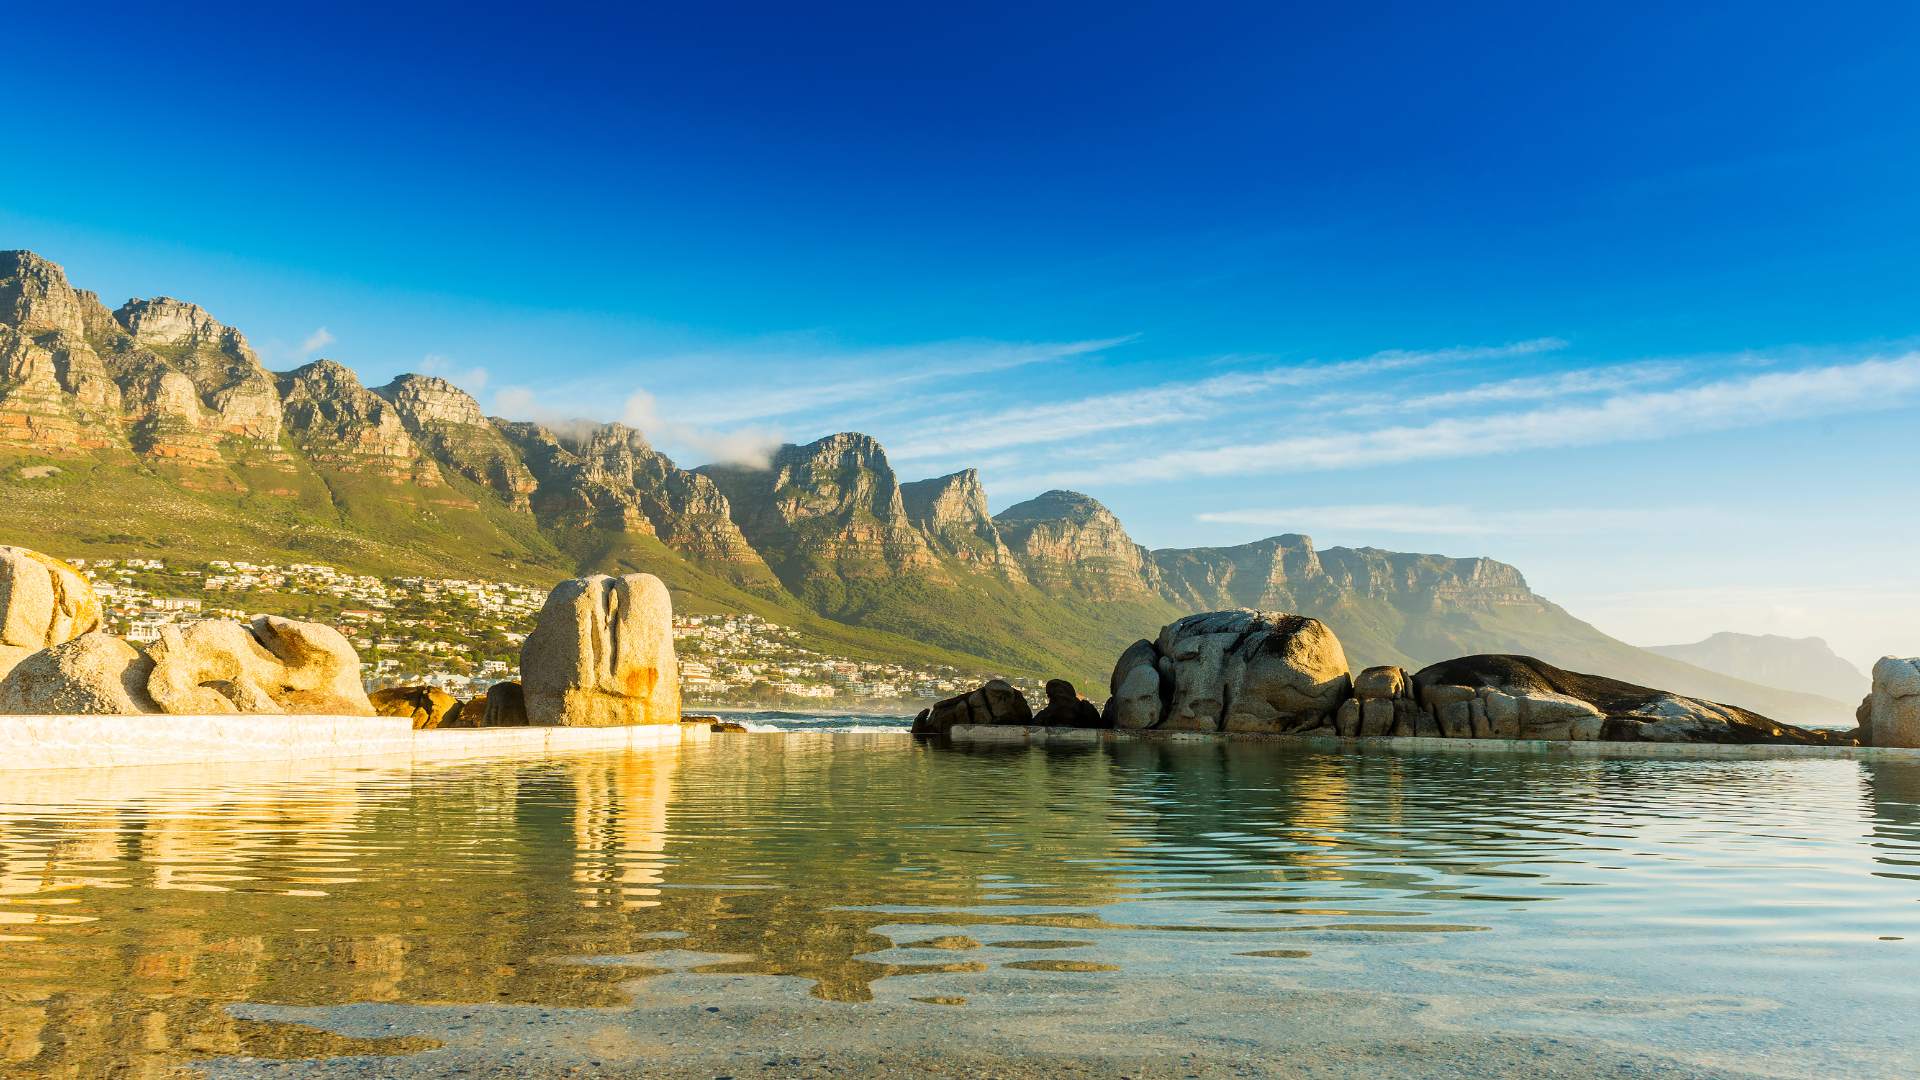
154, 428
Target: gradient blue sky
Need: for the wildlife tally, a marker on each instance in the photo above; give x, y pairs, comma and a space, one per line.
1626, 296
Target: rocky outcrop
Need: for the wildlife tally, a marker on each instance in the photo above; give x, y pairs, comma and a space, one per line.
448, 423
829, 511
341, 424
238, 395
1506, 696
1247, 671
43, 602
952, 511
271, 665
601, 654
1233, 671
1890, 716
1068, 541
93, 673
994, 702
427, 706
1066, 708
608, 477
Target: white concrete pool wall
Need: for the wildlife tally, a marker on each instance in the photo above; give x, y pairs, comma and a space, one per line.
79, 742
1014, 733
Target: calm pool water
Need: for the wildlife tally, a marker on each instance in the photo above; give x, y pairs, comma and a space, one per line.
833, 904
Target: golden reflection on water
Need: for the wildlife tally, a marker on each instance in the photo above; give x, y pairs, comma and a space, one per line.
135, 906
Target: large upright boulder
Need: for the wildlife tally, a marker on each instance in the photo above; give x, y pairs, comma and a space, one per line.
1242, 670
93, 673
1891, 714
601, 655
271, 665
43, 602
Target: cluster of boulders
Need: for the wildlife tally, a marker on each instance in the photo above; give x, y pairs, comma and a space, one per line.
600, 654
1275, 673
58, 660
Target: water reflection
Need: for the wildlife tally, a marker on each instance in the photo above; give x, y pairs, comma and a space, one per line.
134, 908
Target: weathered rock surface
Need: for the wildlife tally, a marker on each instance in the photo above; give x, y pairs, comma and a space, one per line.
427, 706
995, 702
1066, 708
609, 478
601, 655
1892, 711
1233, 671
43, 601
952, 511
448, 423
1507, 696
1383, 704
1064, 540
505, 706
93, 673
341, 424
271, 665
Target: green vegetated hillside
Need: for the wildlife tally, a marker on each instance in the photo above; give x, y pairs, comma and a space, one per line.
152, 430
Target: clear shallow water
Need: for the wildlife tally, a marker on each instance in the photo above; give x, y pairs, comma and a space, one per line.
786, 905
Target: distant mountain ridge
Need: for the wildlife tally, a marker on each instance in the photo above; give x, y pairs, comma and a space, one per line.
1808, 664
154, 427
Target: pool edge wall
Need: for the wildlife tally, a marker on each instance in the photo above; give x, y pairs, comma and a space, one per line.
33, 743
1016, 733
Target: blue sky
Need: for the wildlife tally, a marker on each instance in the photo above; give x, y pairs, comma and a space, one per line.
1623, 295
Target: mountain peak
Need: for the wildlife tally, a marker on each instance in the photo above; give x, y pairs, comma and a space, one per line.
1057, 505
428, 399
164, 320
36, 297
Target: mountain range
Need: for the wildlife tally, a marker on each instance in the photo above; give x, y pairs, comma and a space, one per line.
1807, 664
154, 428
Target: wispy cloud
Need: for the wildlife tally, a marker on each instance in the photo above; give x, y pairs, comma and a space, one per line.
821, 378
471, 379
1441, 520
315, 341
1746, 401
1579, 383
1178, 402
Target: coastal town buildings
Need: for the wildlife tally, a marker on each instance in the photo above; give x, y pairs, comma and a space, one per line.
464, 635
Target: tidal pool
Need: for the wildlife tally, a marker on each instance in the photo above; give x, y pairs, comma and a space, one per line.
868, 904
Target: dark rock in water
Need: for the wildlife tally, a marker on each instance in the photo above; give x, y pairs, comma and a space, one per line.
1066, 708
427, 706
728, 726
1522, 697
997, 702
506, 706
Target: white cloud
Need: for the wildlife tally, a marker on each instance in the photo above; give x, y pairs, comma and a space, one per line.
1176, 402
1441, 520
316, 341
750, 446
472, 379
1747, 401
